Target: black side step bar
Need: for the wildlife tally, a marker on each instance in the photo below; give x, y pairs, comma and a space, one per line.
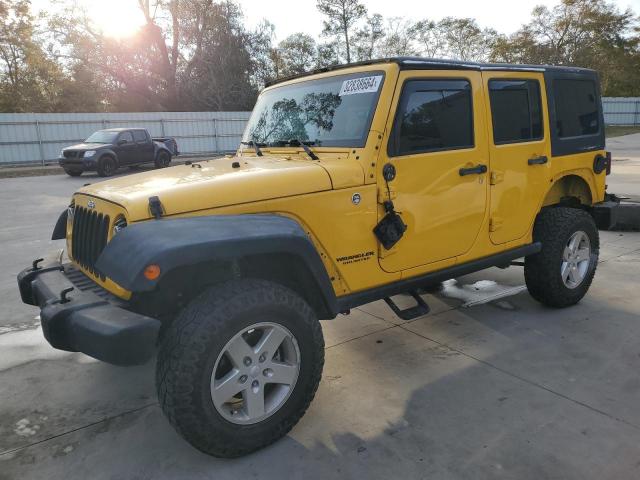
420, 309
504, 258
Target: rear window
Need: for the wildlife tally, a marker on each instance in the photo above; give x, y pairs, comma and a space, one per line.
576, 108
139, 136
433, 115
516, 110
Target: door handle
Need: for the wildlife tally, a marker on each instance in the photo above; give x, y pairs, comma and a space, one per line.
538, 160
478, 169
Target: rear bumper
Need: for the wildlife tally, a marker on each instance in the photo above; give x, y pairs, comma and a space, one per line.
617, 214
86, 322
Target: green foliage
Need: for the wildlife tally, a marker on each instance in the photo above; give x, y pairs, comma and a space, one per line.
29, 81
199, 54
585, 33
341, 17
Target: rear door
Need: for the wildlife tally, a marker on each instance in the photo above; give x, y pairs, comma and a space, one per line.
144, 147
438, 145
520, 152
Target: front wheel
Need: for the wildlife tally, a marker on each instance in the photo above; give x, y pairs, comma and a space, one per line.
107, 166
561, 273
239, 366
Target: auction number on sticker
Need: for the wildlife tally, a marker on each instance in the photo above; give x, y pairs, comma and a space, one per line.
360, 85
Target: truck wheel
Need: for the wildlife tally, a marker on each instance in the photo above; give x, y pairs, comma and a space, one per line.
73, 173
239, 366
107, 166
163, 159
561, 273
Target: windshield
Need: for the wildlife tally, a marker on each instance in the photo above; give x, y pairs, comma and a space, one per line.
330, 112
102, 136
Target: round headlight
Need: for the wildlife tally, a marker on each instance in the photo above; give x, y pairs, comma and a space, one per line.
119, 225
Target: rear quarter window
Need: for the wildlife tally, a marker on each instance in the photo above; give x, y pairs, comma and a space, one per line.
577, 109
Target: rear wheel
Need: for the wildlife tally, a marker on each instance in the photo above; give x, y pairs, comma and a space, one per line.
73, 173
163, 159
107, 166
562, 272
239, 366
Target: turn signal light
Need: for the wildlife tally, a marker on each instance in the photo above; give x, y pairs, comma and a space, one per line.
152, 272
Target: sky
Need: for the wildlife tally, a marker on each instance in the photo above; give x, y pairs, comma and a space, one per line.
121, 17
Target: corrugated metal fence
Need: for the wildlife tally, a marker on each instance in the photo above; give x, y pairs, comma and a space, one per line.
39, 137
621, 110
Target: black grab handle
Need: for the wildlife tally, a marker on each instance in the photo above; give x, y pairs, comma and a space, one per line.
478, 169
538, 160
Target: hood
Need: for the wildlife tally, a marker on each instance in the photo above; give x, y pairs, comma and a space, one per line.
213, 183
86, 146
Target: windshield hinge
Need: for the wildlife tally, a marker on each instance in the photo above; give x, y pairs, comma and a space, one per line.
383, 195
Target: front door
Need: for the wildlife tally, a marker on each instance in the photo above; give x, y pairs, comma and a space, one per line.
519, 147
125, 148
438, 145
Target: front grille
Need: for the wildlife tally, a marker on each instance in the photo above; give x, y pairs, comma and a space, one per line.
71, 154
85, 284
89, 237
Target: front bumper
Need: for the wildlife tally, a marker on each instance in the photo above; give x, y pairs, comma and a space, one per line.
82, 321
77, 163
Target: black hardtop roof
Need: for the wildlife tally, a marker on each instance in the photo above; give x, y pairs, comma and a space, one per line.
421, 63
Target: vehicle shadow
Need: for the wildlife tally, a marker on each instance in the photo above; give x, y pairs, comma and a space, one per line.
486, 392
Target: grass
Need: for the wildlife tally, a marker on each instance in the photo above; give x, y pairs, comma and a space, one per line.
618, 130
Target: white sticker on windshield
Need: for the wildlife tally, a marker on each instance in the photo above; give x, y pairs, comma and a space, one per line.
360, 85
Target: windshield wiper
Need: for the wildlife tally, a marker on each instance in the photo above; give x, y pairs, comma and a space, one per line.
300, 143
256, 146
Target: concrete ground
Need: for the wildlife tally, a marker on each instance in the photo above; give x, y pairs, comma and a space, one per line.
500, 389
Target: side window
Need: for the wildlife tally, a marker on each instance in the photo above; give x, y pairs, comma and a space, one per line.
576, 108
433, 115
139, 136
126, 136
516, 110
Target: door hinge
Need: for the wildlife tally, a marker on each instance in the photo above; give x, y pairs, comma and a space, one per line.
383, 195
495, 223
496, 177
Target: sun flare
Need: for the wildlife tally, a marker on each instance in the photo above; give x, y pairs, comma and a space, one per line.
115, 18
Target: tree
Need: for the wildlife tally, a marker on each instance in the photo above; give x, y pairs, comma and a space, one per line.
399, 39
29, 80
369, 37
188, 55
342, 16
586, 33
297, 54
456, 38
465, 40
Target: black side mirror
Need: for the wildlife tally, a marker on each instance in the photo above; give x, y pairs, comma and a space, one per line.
122, 141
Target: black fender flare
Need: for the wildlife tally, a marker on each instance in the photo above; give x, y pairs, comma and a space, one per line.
60, 228
174, 243
159, 148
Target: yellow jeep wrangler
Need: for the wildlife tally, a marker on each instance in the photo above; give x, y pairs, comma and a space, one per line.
352, 184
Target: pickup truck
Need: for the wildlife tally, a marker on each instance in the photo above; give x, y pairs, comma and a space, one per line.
107, 150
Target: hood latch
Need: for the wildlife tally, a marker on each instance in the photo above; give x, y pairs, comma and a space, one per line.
155, 207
